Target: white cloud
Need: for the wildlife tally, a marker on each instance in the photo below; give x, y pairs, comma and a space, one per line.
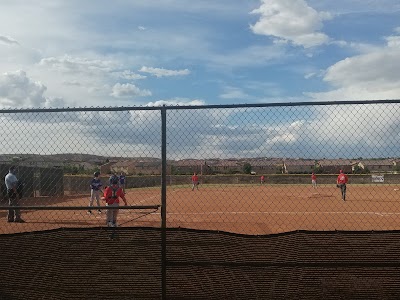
393, 41
177, 102
129, 75
369, 76
17, 90
71, 64
128, 90
291, 20
160, 72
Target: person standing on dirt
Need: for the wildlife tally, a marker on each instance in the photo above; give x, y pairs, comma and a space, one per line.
122, 179
111, 195
195, 181
95, 190
341, 182
314, 180
11, 181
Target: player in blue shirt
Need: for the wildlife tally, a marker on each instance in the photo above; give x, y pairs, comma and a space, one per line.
122, 181
95, 191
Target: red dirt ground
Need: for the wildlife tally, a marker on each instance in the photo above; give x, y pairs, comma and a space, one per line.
248, 209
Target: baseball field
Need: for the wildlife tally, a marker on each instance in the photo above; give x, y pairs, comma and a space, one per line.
248, 209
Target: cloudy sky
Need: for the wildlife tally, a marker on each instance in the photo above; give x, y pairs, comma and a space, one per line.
59, 53
70, 53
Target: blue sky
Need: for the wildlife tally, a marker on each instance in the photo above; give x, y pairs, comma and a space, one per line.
136, 53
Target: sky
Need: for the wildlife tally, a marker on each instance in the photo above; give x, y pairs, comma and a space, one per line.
69, 53
59, 53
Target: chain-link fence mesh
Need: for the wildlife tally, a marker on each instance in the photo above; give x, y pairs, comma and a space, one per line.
241, 169
254, 166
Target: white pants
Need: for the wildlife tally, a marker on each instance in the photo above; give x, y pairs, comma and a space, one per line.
314, 183
94, 195
112, 213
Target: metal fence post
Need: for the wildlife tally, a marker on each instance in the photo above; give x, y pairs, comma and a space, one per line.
164, 202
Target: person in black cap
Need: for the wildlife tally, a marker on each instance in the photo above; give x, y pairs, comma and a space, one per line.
11, 181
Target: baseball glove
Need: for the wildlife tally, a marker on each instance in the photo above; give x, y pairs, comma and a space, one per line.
338, 185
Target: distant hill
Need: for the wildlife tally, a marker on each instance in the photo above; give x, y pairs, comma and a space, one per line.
66, 158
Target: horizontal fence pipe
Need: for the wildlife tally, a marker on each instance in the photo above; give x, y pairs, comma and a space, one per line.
211, 106
78, 207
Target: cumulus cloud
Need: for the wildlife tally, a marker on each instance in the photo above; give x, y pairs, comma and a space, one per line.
17, 90
368, 76
128, 90
291, 21
160, 72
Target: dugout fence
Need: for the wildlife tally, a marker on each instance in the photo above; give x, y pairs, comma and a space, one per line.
229, 147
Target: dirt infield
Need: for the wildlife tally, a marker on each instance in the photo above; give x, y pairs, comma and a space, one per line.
249, 209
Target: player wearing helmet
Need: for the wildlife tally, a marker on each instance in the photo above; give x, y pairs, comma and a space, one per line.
113, 179
111, 195
95, 190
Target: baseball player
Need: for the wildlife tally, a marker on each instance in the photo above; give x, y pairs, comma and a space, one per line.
341, 182
111, 195
195, 181
122, 178
314, 180
95, 190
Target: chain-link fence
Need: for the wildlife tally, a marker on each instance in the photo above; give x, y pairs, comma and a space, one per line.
253, 165
242, 169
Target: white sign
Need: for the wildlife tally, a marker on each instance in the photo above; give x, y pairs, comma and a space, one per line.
378, 178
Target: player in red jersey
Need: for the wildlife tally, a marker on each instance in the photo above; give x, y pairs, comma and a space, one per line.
111, 195
195, 181
341, 182
314, 180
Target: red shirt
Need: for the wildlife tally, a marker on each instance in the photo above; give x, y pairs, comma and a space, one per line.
262, 178
313, 177
108, 193
342, 178
195, 178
